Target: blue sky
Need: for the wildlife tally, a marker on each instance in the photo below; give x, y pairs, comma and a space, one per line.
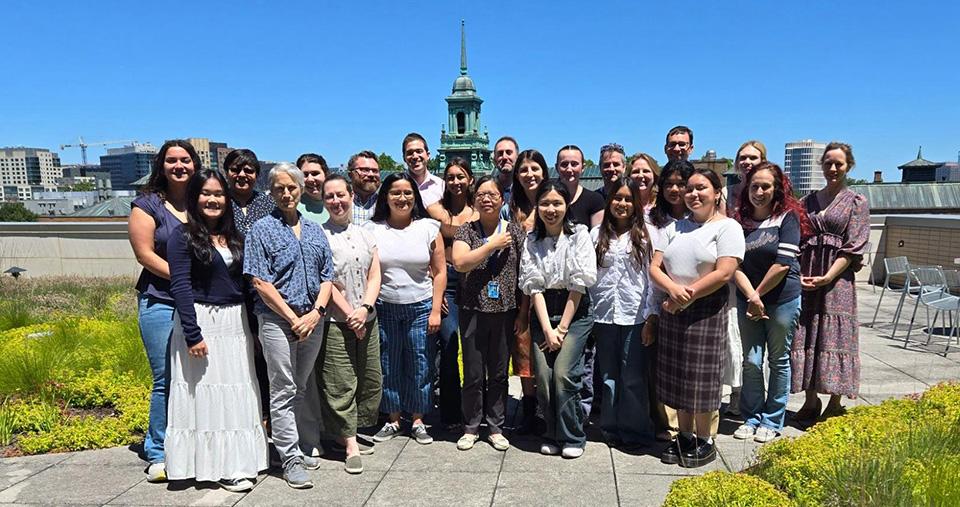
288, 77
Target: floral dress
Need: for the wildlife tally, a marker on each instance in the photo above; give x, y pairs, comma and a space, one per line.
825, 355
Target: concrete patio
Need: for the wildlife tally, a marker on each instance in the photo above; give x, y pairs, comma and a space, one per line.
401, 472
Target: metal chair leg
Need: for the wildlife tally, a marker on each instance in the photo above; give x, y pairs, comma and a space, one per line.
876, 312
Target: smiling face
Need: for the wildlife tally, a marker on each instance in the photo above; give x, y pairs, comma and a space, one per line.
551, 208
748, 157
285, 192
458, 181
612, 166
313, 178
701, 196
762, 189
642, 173
400, 198
835, 167
177, 165
416, 156
530, 175
678, 146
338, 201
505, 156
570, 166
621, 205
674, 188
212, 200
365, 175
488, 200
241, 178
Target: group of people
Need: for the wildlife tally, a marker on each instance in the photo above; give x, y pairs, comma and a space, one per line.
338, 302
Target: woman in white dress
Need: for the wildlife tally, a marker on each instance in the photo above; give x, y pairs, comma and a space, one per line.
213, 429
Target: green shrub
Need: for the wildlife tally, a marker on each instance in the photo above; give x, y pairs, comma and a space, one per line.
77, 434
723, 489
14, 315
872, 455
7, 425
33, 415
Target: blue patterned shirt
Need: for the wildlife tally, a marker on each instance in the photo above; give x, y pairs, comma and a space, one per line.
296, 268
259, 206
363, 210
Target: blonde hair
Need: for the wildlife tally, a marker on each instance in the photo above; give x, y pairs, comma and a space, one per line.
753, 143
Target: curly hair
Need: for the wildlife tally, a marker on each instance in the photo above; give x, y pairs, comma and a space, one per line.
783, 199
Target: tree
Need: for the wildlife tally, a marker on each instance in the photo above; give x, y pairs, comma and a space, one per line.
84, 186
587, 164
387, 163
857, 181
433, 165
16, 212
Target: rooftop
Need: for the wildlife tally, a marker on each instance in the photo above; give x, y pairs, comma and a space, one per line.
402, 472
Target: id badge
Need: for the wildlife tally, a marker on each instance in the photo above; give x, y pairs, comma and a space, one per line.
493, 290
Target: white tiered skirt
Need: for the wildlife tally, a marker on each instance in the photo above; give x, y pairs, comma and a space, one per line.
214, 428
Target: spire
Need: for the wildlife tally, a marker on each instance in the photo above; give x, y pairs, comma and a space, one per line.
919, 152
463, 49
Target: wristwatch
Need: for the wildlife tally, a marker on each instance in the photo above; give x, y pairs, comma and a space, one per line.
368, 308
321, 310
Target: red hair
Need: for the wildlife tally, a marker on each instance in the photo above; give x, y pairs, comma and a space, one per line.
783, 199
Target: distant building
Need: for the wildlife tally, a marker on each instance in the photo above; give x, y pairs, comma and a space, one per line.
948, 172
464, 135
801, 162
211, 153
911, 198
60, 203
919, 170
128, 164
25, 170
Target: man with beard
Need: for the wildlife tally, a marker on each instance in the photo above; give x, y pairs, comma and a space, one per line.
613, 164
505, 152
364, 174
315, 169
417, 156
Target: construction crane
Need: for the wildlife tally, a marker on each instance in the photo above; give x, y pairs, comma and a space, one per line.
83, 146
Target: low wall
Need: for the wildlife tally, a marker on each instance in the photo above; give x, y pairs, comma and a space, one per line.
926, 240
68, 248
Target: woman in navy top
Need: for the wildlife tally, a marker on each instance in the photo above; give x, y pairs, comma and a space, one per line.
213, 429
768, 300
155, 214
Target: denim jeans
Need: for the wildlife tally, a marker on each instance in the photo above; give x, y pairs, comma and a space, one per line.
559, 377
156, 324
775, 334
448, 350
406, 357
623, 364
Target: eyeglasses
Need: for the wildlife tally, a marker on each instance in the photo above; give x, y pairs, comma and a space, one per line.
678, 144
493, 196
366, 170
612, 147
244, 169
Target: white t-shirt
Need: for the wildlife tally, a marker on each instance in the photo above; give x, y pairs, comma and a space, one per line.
690, 250
405, 260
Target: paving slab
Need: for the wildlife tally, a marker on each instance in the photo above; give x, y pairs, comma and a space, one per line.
14, 470
178, 493
329, 488
116, 456
552, 487
443, 456
385, 453
644, 490
74, 484
526, 457
648, 463
462, 489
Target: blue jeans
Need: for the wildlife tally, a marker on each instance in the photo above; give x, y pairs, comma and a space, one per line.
775, 334
448, 350
623, 364
406, 357
156, 324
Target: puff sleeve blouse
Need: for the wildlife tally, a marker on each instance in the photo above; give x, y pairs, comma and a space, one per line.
565, 262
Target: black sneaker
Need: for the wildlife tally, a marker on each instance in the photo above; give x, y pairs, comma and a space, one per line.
680, 445
702, 453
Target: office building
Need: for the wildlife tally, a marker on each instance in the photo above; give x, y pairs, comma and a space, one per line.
801, 162
211, 153
25, 170
128, 164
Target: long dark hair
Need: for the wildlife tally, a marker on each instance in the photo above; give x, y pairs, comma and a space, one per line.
539, 228
382, 211
198, 232
520, 206
447, 199
783, 200
157, 183
638, 230
660, 213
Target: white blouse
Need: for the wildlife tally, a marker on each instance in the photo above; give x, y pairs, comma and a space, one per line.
621, 291
353, 248
405, 260
565, 262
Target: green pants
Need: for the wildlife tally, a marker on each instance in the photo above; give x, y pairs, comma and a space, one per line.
348, 373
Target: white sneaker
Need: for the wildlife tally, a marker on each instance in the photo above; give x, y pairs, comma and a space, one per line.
571, 452
466, 441
744, 432
764, 435
157, 472
548, 449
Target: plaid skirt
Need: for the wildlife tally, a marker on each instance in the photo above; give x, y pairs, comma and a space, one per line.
691, 353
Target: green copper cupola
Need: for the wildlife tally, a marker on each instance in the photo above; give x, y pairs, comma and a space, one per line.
464, 136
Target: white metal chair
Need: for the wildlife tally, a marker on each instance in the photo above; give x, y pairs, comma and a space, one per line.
931, 288
893, 266
949, 304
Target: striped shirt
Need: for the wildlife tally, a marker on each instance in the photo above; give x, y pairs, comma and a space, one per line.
776, 240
